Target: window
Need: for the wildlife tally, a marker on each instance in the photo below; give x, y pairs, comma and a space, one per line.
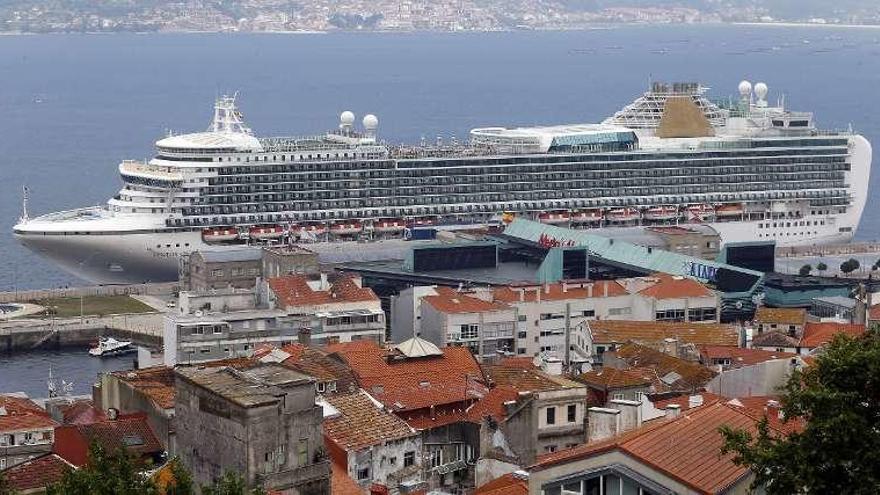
589, 313
619, 311
572, 413
216, 273
551, 415
6, 440
550, 448
701, 314
469, 331
618, 396
409, 458
670, 315
363, 473
302, 452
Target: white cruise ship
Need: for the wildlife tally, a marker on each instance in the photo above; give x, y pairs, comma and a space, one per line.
750, 170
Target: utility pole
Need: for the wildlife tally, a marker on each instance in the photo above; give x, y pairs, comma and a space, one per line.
566, 363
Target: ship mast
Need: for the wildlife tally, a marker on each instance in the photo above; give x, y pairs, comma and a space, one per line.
24, 203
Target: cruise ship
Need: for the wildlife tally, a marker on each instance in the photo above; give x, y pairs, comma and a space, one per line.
751, 170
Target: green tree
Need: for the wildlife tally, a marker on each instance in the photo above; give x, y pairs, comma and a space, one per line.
231, 484
838, 398
5, 489
182, 483
805, 270
821, 267
105, 474
849, 266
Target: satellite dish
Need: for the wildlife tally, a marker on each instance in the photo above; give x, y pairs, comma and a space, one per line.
346, 118
745, 89
371, 122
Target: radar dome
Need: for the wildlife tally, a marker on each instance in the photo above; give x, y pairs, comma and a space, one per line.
761, 91
745, 88
347, 118
371, 122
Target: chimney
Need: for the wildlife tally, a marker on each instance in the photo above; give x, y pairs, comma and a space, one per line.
522, 295
546, 288
305, 336
673, 411
630, 413
603, 423
605, 285
323, 281
695, 401
590, 290
564, 286
538, 294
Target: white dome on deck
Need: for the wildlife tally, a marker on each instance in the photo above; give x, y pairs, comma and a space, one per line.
211, 140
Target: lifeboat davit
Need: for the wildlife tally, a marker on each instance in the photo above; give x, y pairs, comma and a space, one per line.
586, 216
729, 210
266, 232
345, 228
220, 234
554, 217
700, 211
389, 226
623, 214
661, 213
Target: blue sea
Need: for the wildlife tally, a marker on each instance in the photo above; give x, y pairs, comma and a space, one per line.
73, 106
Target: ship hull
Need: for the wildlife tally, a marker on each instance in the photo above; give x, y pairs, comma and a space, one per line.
132, 258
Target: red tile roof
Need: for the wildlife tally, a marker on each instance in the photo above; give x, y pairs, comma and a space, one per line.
341, 483
362, 423
132, 432
317, 363
492, 404
36, 473
686, 448
669, 287
787, 316
526, 380
774, 338
404, 384
560, 291
156, 383
874, 312
509, 484
449, 300
23, 414
81, 412
294, 290
619, 332
740, 356
611, 378
691, 375
683, 400
819, 334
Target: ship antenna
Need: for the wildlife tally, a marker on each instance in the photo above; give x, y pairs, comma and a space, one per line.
24, 203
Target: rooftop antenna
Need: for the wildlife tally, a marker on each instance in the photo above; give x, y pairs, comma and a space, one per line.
24, 203
51, 385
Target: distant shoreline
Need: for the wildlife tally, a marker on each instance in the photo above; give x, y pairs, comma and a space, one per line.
585, 27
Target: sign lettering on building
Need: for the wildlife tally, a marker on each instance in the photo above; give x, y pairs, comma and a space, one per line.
698, 270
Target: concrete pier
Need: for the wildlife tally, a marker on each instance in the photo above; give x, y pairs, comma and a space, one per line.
17, 335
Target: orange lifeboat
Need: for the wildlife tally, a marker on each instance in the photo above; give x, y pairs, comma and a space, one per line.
729, 210
314, 229
623, 214
665, 212
507, 216
389, 226
220, 234
554, 217
345, 228
260, 233
587, 216
700, 211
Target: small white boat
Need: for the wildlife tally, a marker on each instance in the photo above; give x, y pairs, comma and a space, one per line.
108, 346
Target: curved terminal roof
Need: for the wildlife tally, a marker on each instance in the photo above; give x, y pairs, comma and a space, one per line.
546, 138
238, 141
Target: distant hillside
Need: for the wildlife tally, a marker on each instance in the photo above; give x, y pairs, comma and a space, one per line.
784, 9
